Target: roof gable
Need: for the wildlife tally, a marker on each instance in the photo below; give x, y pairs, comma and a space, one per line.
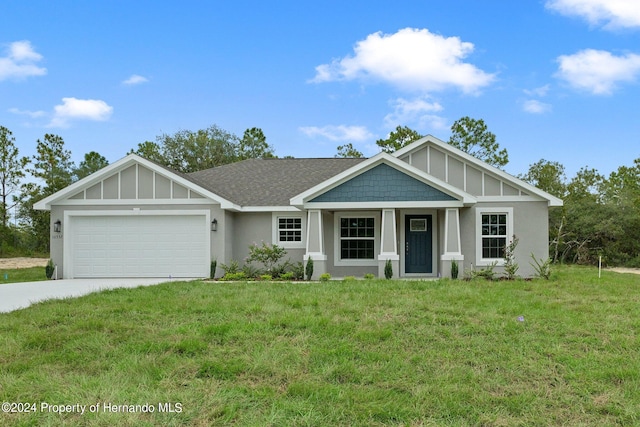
460, 169
380, 180
132, 179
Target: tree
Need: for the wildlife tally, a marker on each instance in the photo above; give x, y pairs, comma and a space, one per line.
348, 150
473, 137
92, 162
253, 145
12, 168
398, 138
150, 151
548, 176
53, 166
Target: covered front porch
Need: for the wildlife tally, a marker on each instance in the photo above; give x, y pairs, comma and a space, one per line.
419, 242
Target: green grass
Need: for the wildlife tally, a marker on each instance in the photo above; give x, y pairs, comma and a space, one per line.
15, 275
374, 352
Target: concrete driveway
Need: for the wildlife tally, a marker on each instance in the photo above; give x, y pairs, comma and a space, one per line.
14, 296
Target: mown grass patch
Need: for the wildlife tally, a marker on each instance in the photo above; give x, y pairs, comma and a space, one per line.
15, 275
375, 352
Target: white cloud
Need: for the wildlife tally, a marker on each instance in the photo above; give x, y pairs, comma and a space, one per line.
611, 14
338, 133
80, 109
539, 91
32, 114
411, 59
598, 71
536, 107
415, 112
135, 79
20, 61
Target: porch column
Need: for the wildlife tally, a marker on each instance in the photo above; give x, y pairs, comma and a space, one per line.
315, 243
388, 243
452, 247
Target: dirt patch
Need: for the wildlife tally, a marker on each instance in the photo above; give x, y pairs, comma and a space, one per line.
22, 262
625, 270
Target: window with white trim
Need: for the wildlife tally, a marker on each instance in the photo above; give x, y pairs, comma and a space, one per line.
357, 238
494, 227
494, 235
289, 229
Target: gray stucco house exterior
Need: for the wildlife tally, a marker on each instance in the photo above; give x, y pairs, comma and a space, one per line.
421, 207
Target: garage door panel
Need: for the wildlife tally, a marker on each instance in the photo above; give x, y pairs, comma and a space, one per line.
140, 246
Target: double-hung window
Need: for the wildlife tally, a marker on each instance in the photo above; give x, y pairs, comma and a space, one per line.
357, 238
288, 230
495, 228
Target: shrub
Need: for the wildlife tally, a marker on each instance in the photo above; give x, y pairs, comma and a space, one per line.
486, 273
388, 269
268, 256
289, 275
309, 269
349, 278
454, 269
250, 271
325, 277
212, 270
297, 270
266, 277
542, 267
232, 268
510, 265
234, 276
49, 269
369, 276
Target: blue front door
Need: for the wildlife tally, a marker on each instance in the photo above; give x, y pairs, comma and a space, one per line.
418, 244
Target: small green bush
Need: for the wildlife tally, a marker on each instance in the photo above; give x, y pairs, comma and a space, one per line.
232, 268
289, 275
212, 270
325, 277
250, 271
541, 267
309, 269
49, 269
297, 270
266, 277
388, 269
234, 276
454, 269
369, 276
268, 256
349, 278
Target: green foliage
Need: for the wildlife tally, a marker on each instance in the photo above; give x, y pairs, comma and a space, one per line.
212, 269
349, 278
510, 265
49, 269
92, 162
325, 277
238, 276
12, 168
289, 275
267, 255
486, 273
309, 268
297, 270
188, 151
349, 151
369, 276
388, 269
473, 137
541, 267
400, 137
250, 271
266, 277
232, 268
454, 269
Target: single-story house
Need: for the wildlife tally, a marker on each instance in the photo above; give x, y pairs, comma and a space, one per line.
421, 207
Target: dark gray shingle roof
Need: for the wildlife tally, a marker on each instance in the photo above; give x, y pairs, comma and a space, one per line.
268, 182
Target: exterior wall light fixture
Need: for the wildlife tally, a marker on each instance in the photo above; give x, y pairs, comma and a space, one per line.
214, 225
57, 226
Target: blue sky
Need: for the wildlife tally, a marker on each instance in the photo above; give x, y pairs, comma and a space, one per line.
553, 79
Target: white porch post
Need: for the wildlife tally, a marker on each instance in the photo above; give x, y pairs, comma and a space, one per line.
315, 243
452, 248
388, 243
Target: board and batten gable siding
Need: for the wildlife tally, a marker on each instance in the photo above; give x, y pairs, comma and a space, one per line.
136, 183
459, 173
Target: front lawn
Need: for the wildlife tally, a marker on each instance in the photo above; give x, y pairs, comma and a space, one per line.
14, 275
367, 352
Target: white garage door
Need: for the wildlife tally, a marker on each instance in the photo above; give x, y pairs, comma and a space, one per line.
140, 246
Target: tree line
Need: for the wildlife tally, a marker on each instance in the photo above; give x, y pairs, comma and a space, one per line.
600, 216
